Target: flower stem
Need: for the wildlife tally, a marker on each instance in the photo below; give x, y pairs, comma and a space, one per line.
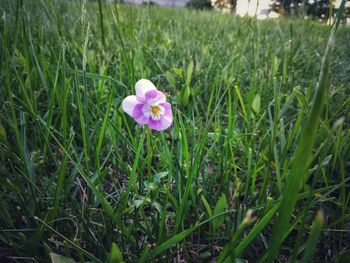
149, 153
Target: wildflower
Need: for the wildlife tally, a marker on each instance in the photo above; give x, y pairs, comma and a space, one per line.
149, 106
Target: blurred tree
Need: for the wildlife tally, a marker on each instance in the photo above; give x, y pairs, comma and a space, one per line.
226, 5
318, 8
200, 4
286, 6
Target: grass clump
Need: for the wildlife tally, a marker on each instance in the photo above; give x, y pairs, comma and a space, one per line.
80, 179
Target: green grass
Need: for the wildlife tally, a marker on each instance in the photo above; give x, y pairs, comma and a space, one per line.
256, 165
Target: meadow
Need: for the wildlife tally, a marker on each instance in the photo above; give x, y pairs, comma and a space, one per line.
255, 167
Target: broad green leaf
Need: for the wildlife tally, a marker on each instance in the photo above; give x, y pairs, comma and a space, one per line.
171, 79
159, 176
219, 208
178, 72
115, 255
185, 95
256, 103
207, 206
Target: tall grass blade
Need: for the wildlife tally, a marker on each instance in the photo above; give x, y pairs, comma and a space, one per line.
303, 153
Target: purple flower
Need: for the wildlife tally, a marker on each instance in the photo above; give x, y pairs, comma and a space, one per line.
149, 106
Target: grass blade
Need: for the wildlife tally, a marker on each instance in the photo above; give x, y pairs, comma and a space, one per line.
314, 236
302, 155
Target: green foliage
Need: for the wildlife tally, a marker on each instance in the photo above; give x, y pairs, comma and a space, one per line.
220, 207
320, 9
80, 181
314, 236
298, 174
115, 255
200, 4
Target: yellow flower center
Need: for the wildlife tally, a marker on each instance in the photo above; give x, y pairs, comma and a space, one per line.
155, 110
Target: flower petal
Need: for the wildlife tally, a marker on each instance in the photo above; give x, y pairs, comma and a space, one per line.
155, 124
129, 104
142, 87
155, 96
165, 120
138, 114
168, 114
158, 125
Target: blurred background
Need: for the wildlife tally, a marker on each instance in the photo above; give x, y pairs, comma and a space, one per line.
262, 9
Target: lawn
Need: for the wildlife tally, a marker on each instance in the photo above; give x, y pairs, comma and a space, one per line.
254, 168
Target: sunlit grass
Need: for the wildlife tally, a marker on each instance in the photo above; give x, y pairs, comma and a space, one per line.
77, 173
